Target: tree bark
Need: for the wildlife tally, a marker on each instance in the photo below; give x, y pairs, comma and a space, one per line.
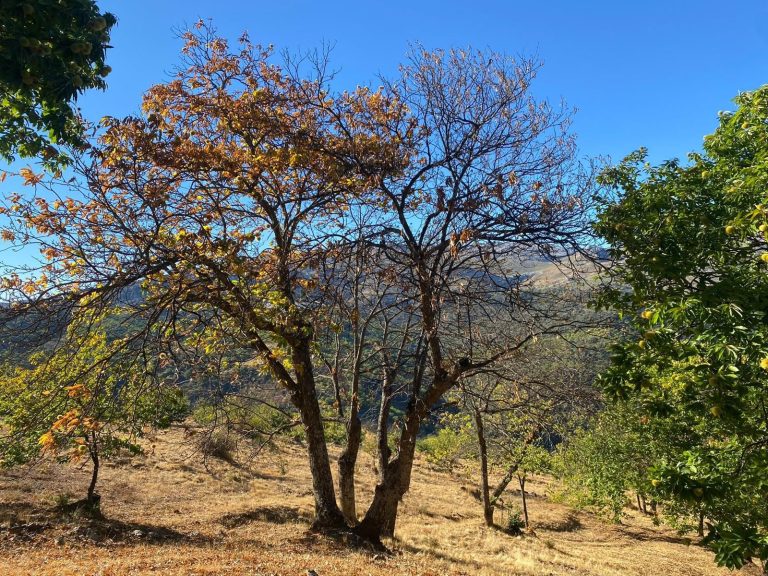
327, 512
347, 462
384, 453
395, 480
522, 479
382, 431
94, 452
390, 517
483, 456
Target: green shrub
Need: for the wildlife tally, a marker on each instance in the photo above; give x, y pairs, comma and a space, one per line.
445, 448
204, 414
335, 432
514, 523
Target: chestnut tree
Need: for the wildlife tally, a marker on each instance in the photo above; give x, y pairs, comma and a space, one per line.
252, 206
690, 244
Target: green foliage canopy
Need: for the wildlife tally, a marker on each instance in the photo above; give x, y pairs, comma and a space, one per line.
50, 51
690, 243
87, 396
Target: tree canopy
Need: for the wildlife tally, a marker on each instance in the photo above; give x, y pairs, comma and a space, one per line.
690, 241
258, 209
50, 52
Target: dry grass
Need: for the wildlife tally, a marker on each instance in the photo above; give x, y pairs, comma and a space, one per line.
166, 513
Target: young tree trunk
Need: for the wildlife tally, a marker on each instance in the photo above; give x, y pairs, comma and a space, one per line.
639, 505
504, 482
645, 503
327, 512
522, 479
513, 467
483, 455
382, 432
93, 498
347, 462
700, 529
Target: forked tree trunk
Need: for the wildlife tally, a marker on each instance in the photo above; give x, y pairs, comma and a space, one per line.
378, 519
483, 455
395, 480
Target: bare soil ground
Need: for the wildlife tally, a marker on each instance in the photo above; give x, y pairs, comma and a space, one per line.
166, 513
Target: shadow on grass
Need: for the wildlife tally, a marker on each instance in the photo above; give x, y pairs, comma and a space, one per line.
272, 514
12, 512
432, 551
103, 529
643, 535
570, 523
22, 522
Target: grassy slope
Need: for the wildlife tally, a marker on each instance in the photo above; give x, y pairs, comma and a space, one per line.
228, 520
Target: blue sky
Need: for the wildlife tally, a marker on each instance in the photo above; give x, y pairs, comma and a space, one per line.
647, 73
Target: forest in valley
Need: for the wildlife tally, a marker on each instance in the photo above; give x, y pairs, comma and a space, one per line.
361, 300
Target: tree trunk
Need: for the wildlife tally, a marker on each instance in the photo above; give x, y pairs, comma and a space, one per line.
700, 529
483, 455
347, 462
384, 453
380, 517
639, 505
390, 517
645, 503
522, 479
512, 470
327, 513
93, 449
504, 482
382, 431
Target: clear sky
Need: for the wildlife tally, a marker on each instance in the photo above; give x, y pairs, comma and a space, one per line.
651, 73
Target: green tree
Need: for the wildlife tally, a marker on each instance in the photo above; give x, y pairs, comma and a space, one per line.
601, 464
85, 400
50, 51
535, 460
519, 408
690, 242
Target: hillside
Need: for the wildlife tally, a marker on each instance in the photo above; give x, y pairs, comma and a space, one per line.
167, 513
